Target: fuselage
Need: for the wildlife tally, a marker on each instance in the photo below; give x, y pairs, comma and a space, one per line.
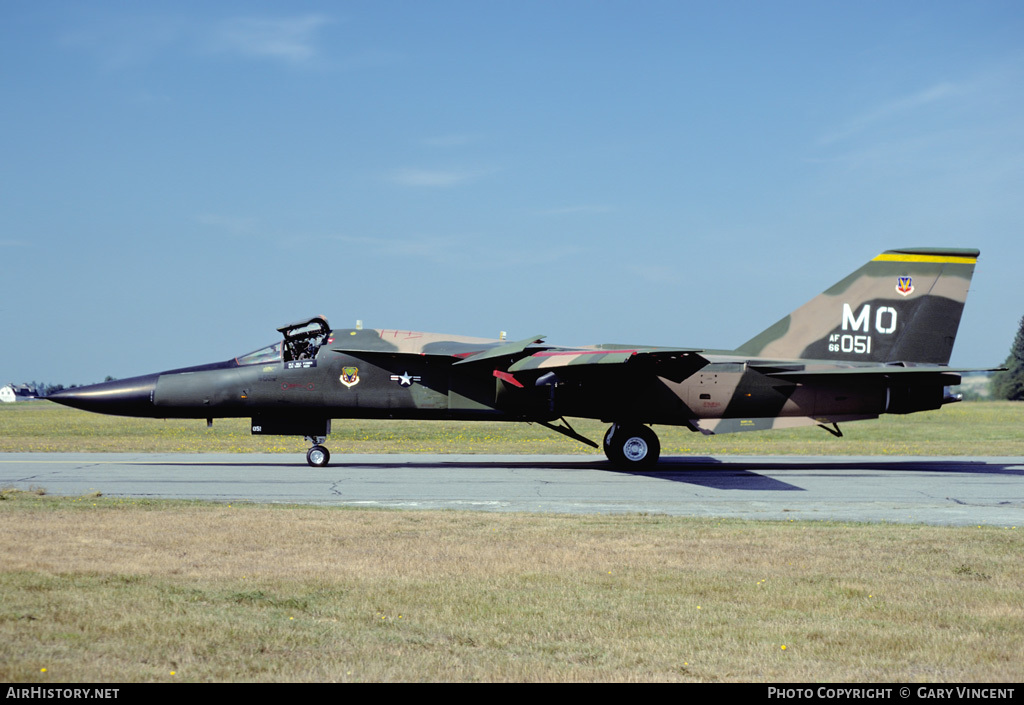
377, 374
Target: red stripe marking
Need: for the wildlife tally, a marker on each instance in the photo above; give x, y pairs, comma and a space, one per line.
506, 377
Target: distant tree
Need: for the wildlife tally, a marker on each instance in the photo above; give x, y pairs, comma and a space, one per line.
1010, 384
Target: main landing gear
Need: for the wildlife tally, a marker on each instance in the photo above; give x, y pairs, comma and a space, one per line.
318, 456
627, 445
632, 446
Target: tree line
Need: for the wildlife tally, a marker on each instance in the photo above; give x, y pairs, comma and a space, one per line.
1009, 384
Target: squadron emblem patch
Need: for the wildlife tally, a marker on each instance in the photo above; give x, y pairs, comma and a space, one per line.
349, 376
905, 285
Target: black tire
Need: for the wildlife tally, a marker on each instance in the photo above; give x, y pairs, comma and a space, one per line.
632, 446
607, 443
318, 456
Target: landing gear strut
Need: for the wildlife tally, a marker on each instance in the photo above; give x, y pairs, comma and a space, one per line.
632, 446
318, 456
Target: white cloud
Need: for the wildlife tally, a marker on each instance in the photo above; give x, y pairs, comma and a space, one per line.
292, 39
471, 252
454, 140
435, 178
438, 249
131, 41
229, 224
125, 42
575, 210
655, 274
892, 110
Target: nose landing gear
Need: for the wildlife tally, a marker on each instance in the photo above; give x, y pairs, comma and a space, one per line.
318, 456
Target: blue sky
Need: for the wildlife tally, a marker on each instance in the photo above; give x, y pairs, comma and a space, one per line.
178, 179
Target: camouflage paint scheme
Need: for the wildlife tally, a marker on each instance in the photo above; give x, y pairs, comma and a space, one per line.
879, 341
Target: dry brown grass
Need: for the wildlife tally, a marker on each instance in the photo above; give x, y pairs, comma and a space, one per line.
98, 589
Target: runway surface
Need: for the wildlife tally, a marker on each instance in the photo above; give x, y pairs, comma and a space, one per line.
961, 491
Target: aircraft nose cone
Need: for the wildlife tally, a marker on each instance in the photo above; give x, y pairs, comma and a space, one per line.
123, 397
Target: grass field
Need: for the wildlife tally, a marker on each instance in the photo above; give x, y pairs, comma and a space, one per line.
99, 589
969, 428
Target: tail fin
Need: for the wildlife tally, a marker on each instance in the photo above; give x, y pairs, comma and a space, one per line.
902, 306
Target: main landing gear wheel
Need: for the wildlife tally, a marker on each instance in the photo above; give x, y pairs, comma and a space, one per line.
318, 456
632, 446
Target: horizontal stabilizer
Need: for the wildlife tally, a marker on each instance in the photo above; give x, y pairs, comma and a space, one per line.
872, 371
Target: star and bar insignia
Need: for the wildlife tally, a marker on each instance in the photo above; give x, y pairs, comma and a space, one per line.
405, 379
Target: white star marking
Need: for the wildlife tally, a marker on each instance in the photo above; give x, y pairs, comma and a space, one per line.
406, 379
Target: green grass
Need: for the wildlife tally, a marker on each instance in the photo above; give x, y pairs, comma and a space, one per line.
969, 428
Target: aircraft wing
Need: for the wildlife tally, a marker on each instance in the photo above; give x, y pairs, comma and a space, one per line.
673, 363
547, 359
506, 350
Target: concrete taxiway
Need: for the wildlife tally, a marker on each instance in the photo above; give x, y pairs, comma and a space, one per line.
956, 490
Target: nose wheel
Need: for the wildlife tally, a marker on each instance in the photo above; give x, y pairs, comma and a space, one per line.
318, 456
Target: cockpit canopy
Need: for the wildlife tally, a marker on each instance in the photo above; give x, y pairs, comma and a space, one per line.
301, 341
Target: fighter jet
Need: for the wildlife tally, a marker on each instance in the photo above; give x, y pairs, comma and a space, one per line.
877, 342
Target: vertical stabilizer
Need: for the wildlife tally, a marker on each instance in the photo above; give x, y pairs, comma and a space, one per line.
902, 306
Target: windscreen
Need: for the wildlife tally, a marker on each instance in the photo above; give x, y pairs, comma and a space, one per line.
263, 356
